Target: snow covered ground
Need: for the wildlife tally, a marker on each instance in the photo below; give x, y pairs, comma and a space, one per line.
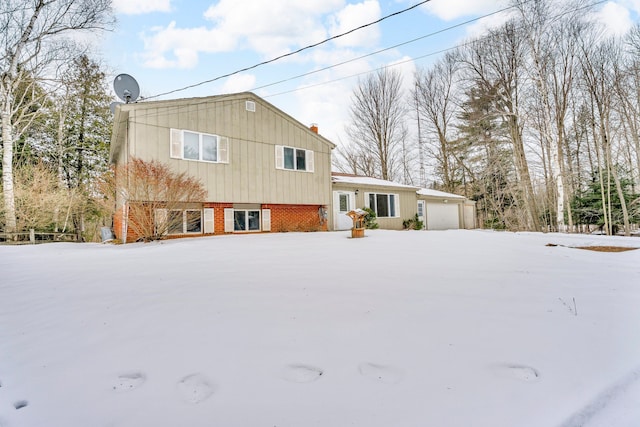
450, 328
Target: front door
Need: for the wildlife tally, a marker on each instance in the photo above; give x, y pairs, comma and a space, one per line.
421, 207
343, 202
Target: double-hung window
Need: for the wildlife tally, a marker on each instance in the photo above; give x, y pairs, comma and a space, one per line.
384, 205
203, 147
292, 158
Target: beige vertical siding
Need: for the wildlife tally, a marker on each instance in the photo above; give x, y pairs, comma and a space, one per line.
407, 202
251, 175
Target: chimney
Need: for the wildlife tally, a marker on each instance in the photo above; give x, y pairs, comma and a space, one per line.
314, 127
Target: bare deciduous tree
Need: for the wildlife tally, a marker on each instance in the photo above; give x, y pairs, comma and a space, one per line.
32, 44
377, 126
436, 104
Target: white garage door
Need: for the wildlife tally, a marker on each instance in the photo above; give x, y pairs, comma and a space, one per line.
441, 216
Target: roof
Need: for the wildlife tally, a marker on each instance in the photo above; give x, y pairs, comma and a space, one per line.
436, 193
367, 180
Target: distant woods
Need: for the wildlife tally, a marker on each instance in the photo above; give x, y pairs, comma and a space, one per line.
55, 118
537, 121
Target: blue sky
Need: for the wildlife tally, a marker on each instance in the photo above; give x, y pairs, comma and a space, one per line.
170, 44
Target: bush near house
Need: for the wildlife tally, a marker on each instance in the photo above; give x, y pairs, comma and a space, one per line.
412, 223
151, 192
370, 220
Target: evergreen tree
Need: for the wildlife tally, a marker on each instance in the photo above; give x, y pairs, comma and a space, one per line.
588, 205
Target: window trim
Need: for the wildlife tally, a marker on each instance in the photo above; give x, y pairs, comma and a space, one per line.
246, 220
395, 208
176, 146
308, 159
184, 221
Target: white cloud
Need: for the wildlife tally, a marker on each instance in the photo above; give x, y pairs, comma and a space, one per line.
137, 7
273, 28
615, 17
452, 9
184, 44
353, 16
239, 83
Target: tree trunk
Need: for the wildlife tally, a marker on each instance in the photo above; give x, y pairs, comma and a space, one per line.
10, 225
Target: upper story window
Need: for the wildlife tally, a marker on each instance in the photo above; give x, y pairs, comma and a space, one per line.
199, 146
294, 158
384, 205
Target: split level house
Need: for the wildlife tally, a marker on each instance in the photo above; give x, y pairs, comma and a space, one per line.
263, 171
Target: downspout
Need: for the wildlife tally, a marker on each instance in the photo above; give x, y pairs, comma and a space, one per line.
125, 211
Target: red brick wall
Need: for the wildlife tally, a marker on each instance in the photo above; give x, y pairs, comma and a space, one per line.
218, 215
295, 218
283, 218
117, 224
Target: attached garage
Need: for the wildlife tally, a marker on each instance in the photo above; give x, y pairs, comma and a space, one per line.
442, 211
441, 216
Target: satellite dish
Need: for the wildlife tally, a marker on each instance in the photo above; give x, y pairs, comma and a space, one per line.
113, 106
126, 88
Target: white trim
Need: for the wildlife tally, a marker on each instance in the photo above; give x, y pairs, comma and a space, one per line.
228, 220
208, 220
160, 220
279, 157
266, 219
176, 146
309, 160
396, 204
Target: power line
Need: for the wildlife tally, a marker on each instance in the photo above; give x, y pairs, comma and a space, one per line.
443, 30
294, 52
413, 59
433, 53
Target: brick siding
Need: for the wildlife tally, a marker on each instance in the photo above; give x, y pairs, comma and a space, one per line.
295, 218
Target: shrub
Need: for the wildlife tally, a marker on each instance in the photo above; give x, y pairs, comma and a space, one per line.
412, 223
370, 220
151, 190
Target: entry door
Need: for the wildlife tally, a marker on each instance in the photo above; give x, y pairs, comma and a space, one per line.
421, 208
343, 202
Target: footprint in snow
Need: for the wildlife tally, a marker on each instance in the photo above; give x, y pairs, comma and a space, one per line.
195, 388
20, 404
381, 373
301, 373
129, 381
518, 372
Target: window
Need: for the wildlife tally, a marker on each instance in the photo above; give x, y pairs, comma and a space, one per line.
384, 205
246, 220
344, 202
291, 158
243, 220
202, 147
183, 222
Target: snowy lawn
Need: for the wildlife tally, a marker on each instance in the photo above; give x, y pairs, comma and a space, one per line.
453, 328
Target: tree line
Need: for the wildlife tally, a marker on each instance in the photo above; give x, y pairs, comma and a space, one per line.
536, 120
55, 116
